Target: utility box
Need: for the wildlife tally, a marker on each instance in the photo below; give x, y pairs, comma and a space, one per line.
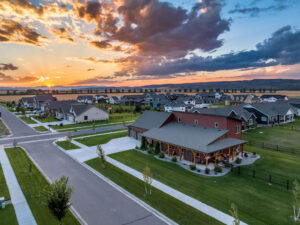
2, 202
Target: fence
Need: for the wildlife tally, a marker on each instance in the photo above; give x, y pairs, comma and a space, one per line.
269, 178
276, 147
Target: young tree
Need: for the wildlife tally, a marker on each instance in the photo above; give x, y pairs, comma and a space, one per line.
15, 143
69, 138
147, 180
101, 155
58, 196
296, 205
234, 214
30, 168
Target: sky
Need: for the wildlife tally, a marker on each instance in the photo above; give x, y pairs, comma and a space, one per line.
143, 42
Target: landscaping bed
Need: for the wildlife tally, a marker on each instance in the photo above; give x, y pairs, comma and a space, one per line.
67, 145
32, 186
166, 204
101, 139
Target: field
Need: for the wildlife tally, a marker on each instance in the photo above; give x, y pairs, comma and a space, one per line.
41, 128
166, 204
3, 129
32, 186
46, 119
67, 145
101, 139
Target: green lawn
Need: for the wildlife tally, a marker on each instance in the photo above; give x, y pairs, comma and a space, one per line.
32, 187
8, 216
27, 120
3, 129
258, 202
101, 139
67, 145
101, 132
41, 128
46, 119
3, 187
277, 135
169, 206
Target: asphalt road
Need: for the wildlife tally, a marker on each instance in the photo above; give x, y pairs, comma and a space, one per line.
96, 201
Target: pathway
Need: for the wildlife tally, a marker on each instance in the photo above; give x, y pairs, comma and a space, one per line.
23, 212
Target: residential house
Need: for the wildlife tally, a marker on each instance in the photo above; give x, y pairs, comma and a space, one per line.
80, 113
88, 99
190, 136
132, 100
101, 98
27, 102
209, 97
295, 103
271, 112
272, 98
114, 100
175, 106
41, 102
54, 108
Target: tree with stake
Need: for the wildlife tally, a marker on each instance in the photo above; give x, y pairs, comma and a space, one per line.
58, 196
69, 139
234, 214
148, 180
101, 155
296, 206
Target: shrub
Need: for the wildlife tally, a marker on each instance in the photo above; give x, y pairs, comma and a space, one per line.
174, 159
143, 142
198, 171
238, 161
227, 164
192, 167
161, 155
246, 154
149, 151
218, 169
254, 153
207, 170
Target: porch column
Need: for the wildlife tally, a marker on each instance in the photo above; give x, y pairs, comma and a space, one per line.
168, 150
180, 154
206, 160
229, 152
233, 154
194, 155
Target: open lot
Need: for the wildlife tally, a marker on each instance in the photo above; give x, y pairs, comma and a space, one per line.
101, 139
166, 204
32, 186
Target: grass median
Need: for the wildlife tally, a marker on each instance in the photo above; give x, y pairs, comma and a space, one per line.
166, 204
32, 186
41, 128
66, 145
27, 120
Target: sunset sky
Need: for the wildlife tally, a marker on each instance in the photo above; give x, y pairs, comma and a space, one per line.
142, 42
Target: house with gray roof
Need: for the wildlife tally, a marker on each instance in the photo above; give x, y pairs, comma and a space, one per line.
81, 113
85, 99
190, 136
295, 103
272, 98
27, 102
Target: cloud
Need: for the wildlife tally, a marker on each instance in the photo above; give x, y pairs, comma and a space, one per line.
90, 10
97, 80
282, 48
101, 44
9, 79
7, 66
62, 33
12, 31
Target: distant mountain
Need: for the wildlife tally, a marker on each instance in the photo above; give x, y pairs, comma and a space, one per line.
277, 84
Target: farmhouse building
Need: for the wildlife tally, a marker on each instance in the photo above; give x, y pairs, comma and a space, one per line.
194, 137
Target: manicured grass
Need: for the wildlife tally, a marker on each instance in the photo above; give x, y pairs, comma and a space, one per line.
102, 132
258, 202
277, 135
41, 128
166, 204
46, 119
8, 216
33, 186
27, 120
3, 129
3, 187
101, 139
67, 145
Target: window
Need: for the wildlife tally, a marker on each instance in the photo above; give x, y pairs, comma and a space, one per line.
85, 117
237, 129
196, 122
216, 125
250, 121
179, 119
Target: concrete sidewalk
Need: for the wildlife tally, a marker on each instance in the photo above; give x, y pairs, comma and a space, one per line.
214, 213
23, 212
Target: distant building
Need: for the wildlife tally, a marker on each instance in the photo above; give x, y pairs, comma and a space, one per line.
85, 99
272, 98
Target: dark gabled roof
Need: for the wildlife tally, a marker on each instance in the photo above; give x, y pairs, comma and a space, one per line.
43, 98
274, 96
85, 97
55, 105
271, 108
175, 104
27, 99
151, 119
203, 139
80, 108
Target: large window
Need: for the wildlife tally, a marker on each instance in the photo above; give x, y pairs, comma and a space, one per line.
237, 129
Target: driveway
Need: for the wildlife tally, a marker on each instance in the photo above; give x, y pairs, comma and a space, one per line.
95, 200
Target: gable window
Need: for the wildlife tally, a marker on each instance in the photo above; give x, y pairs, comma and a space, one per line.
85, 117
237, 129
179, 119
196, 122
216, 125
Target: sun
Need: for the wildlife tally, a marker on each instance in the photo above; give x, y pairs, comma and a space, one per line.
49, 85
